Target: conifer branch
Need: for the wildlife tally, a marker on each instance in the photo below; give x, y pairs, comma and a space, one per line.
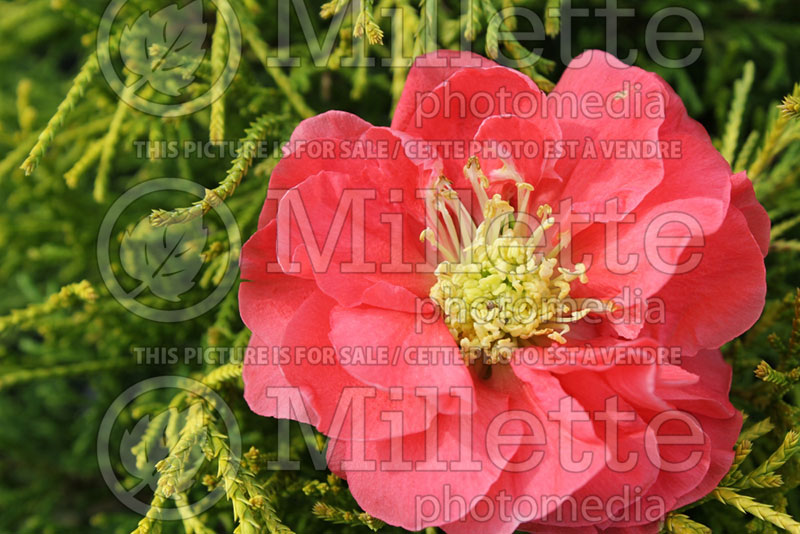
426, 30
783, 227
79, 85
87, 159
191, 523
81, 291
757, 430
768, 480
149, 437
790, 107
762, 511
346, 517
110, 140
774, 142
681, 524
402, 48
742, 451
527, 61
150, 523
793, 338
20, 376
759, 476
261, 50
223, 374
251, 506
552, 18
741, 88
765, 372
92, 154
26, 113
471, 20
258, 131
218, 60
746, 152
194, 431
366, 25
785, 245
493, 23
331, 8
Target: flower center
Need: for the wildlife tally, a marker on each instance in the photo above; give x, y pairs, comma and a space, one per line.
500, 287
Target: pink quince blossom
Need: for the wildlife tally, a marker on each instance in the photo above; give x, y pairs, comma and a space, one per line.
476, 444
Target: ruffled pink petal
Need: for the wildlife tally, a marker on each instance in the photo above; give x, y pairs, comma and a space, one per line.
454, 109
625, 471
708, 400
521, 143
262, 375
347, 408
694, 191
296, 165
356, 259
707, 393
642, 254
744, 198
420, 492
698, 389
597, 77
701, 310
267, 302
407, 351
427, 73
332, 124
540, 397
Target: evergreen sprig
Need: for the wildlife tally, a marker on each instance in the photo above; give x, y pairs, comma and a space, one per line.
150, 523
790, 107
741, 88
676, 523
472, 19
331, 8
223, 374
56, 123
334, 514
757, 430
765, 372
219, 42
252, 506
759, 476
552, 18
741, 452
261, 50
66, 296
195, 431
247, 151
21, 376
749, 505
366, 25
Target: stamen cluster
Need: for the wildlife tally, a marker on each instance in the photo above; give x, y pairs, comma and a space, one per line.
500, 287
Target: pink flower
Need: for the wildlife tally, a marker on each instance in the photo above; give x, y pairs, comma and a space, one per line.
601, 213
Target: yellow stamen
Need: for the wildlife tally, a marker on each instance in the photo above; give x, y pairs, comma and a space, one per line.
498, 292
